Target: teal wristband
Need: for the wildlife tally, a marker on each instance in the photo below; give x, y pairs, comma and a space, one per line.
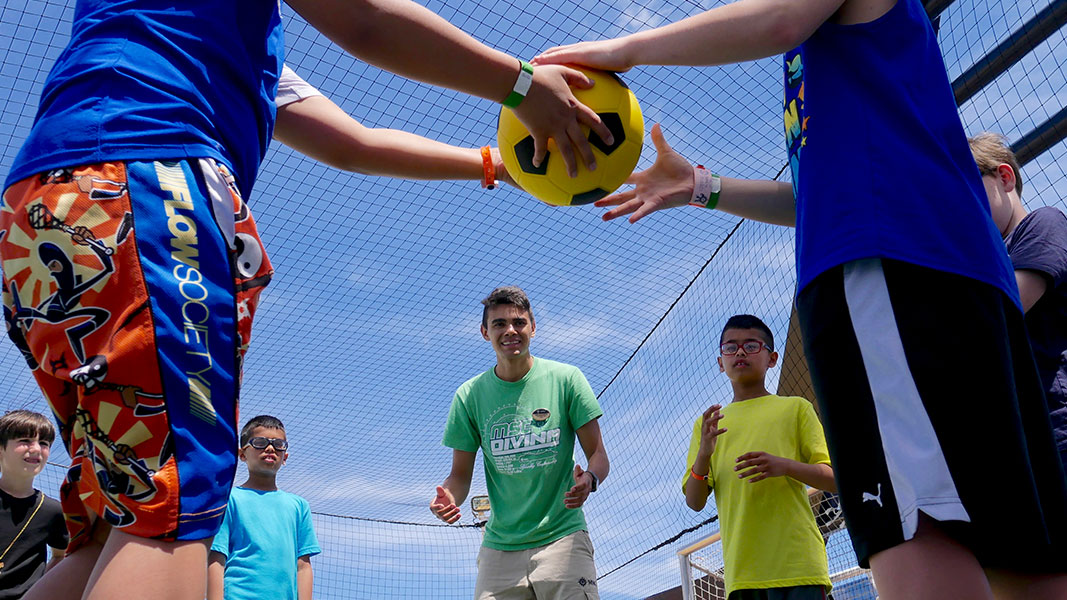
522, 85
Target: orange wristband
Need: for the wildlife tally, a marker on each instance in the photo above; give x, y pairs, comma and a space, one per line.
488, 169
698, 477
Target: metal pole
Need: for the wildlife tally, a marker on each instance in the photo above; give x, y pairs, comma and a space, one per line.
934, 8
1043, 137
1010, 51
687, 577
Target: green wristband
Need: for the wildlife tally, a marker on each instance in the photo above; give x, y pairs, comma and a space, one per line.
522, 85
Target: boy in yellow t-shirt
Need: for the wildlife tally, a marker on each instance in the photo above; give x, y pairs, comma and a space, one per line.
757, 454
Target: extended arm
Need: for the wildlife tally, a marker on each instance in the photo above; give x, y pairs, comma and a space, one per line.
318, 128
741, 31
454, 490
406, 38
216, 569
737, 32
304, 578
669, 183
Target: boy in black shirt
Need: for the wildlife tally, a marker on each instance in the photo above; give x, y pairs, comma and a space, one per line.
29, 520
1037, 246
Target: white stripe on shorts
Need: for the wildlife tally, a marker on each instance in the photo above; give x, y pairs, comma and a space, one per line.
917, 468
221, 200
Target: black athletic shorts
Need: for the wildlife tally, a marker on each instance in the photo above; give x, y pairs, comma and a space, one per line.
796, 592
931, 402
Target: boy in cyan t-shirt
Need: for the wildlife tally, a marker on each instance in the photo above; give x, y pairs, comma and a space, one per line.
266, 542
757, 454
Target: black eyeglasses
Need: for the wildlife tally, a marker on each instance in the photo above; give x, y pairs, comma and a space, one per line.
261, 443
750, 347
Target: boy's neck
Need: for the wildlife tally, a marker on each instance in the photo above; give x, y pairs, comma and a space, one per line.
747, 391
1018, 213
17, 487
513, 369
261, 483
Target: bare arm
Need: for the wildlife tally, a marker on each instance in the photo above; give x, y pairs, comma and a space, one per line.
737, 32
304, 578
760, 200
318, 128
408, 39
820, 476
696, 493
382, 32
1032, 285
593, 446
454, 490
216, 569
757, 466
696, 490
669, 183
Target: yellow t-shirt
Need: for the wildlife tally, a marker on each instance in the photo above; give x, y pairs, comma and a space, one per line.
769, 535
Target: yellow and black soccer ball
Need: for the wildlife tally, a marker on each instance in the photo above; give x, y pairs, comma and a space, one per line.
549, 182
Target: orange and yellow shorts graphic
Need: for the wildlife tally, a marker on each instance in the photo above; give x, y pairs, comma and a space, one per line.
130, 287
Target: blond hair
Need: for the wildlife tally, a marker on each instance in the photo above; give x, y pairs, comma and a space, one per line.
991, 150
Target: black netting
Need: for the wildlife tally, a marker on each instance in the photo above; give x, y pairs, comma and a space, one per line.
372, 319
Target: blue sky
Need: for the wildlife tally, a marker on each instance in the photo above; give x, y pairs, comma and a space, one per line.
371, 321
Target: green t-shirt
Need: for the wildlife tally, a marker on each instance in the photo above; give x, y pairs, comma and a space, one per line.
769, 535
526, 432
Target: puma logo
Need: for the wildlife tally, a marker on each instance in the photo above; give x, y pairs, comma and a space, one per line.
869, 497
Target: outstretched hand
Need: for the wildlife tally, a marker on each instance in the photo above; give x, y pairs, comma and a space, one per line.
667, 184
576, 496
550, 110
606, 55
760, 466
444, 506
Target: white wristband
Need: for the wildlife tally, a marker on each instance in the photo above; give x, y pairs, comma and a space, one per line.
522, 85
706, 187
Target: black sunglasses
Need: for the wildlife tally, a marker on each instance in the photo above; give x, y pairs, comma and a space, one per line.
261, 443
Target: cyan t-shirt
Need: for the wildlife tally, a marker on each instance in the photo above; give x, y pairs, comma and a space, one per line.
526, 432
262, 536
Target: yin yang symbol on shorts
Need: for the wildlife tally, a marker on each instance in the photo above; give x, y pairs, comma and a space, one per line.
249, 255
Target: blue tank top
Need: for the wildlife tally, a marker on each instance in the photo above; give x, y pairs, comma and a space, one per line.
152, 79
880, 161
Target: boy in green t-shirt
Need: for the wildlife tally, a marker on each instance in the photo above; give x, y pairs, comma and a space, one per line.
524, 414
771, 546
